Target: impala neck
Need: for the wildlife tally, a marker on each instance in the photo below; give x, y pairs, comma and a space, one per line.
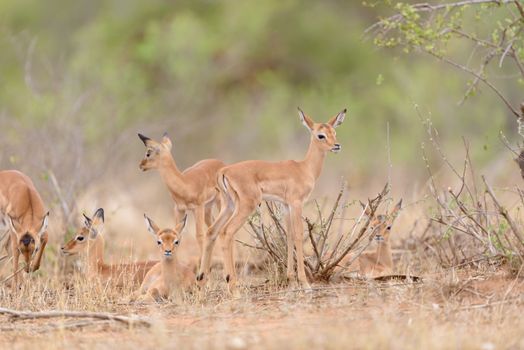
169, 269
314, 159
384, 256
170, 174
95, 255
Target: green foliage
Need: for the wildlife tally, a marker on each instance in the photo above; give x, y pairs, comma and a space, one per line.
224, 78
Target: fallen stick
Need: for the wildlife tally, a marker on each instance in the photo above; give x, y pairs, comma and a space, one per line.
397, 277
57, 326
27, 315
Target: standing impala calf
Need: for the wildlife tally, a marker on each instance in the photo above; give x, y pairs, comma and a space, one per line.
244, 185
22, 214
379, 262
168, 276
194, 189
89, 240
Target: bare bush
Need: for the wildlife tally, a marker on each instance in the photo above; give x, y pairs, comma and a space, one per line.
473, 225
329, 247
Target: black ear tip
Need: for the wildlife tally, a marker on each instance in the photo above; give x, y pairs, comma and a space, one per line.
143, 137
345, 110
100, 213
165, 134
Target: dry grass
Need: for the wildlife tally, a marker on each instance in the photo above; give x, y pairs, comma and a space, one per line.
466, 307
461, 305
451, 309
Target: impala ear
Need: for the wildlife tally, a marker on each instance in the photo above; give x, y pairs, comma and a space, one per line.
146, 140
97, 224
338, 119
151, 226
43, 227
87, 220
396, 209
366, 208
10, 224
182, 225
307, 121
166, 142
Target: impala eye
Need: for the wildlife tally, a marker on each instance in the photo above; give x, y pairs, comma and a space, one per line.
321, 136
80, 238
388, 228
159, 242
148, 154
177, 242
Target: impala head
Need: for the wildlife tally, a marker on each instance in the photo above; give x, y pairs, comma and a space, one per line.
324, 134
167, 239
155, 152
28, 238
382, 224
89, 231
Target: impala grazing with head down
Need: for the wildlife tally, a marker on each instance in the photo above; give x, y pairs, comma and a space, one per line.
23, 215
244, 185
193, 189
168, 277
89, 240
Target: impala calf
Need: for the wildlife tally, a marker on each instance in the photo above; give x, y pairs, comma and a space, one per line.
379, 262
168, 276
89, 240
244, 185
23, 215
192, 189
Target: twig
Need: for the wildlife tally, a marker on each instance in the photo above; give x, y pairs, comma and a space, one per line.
28, 315
12, 275
57, 326
504, 213
314, 244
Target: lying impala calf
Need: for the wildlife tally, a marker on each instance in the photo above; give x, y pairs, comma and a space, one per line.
168, 277
89, 240
244, 185
379, 262
193, 189
23, 216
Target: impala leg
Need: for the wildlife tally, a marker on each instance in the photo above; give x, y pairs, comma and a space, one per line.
199, 214
16, 256
290, 246
209, 215
296, 217
35, 265
235, 223
209, 242
219, 203
178, 214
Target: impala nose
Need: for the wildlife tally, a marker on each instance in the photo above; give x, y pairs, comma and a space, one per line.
336, 148
26, 239
167, 252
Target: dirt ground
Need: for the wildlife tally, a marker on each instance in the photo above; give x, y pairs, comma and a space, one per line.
451, 309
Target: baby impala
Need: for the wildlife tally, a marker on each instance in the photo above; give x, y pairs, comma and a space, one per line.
168, 277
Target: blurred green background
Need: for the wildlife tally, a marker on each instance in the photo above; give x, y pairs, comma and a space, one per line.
224, 78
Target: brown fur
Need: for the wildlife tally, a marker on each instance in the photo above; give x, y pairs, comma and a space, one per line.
92, 244
244, 185
191, 190
379, 262
23, 214
168, 276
